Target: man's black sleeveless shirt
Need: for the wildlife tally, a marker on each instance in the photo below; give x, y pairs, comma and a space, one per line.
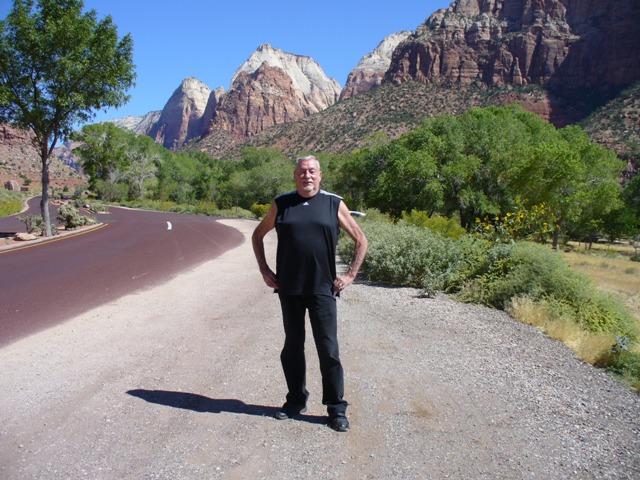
307, 238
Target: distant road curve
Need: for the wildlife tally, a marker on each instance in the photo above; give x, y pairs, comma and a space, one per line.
47, 283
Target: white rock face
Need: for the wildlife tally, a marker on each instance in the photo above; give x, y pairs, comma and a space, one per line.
306, 74
140, 125
370, 71
380, 58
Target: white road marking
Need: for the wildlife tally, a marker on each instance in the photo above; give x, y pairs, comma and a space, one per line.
169, 226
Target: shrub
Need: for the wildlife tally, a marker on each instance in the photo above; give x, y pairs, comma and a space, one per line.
540, 273
524, 223
447, 227
98, 207
529, 280
626, 364
71, 218
204, 207
259, 210
33, 223
408, 256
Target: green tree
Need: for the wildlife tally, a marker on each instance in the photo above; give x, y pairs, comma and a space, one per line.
631, 195
209, 175
357, 175
103, 152
176, 174
575, 178
58, 66
260, 184
625, 221
143, 160
409, 183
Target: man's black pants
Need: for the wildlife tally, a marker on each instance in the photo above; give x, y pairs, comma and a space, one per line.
324, 325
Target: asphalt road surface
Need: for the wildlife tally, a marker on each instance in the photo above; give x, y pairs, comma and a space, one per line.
48, 282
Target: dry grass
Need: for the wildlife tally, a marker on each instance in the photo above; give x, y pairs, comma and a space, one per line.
612, 273
589, 347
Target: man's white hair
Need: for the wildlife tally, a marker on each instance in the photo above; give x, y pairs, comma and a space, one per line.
307, 157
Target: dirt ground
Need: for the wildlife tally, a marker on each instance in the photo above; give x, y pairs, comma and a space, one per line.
181, 382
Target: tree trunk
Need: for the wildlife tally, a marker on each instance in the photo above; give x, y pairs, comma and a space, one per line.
44, 201
556, 238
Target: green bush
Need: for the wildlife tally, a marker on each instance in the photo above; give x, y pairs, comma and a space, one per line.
540, 273
408, 256
33, 223
201, 208
447, 227
259, 210
71, 218
495, 274
624, 362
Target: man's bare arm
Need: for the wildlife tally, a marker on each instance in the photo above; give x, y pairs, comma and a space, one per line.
267, 224
349, 225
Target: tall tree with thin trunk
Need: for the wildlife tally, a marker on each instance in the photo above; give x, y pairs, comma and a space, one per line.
58, 67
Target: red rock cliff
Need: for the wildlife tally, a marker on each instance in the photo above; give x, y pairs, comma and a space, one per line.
568, 44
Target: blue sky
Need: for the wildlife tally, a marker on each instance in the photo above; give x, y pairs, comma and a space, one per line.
209, 40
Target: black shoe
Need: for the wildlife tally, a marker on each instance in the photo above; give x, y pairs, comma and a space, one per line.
339, 423
288, 412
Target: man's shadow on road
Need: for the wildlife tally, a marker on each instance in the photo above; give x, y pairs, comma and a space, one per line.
200, 403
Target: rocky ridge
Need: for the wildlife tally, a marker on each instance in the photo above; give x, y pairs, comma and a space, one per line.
182, 116
370, 71
573, 48
20, 162
141, 125
271, 88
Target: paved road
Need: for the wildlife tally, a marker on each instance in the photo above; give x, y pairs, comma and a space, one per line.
47, 283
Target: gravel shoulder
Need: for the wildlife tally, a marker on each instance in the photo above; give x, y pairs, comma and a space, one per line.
181, 381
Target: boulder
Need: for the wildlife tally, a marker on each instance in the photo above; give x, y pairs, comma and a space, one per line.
24, 237
12, 185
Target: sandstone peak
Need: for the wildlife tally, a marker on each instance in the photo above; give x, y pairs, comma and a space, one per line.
380, 58
181, 117
306, 74
370, 71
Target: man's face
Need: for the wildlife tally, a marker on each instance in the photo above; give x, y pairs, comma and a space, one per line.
307, 177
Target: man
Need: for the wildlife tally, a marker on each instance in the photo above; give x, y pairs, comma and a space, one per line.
307, 222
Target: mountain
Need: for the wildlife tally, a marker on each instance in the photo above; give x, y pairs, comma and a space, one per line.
568, 61
561, 59
182, 116
271, 88
370, 71
582, 51
141, 125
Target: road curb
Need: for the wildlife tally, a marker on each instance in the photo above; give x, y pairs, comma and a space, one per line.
61, 236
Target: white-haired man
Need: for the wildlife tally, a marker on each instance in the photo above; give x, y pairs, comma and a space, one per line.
307, 221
